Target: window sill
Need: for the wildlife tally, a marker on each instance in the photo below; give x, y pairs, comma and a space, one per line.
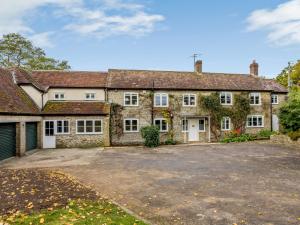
94, 133
130, 132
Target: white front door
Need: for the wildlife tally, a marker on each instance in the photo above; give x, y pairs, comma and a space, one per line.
193, 130
49, 139
275, 122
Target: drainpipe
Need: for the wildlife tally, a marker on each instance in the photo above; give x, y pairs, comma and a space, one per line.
271, 111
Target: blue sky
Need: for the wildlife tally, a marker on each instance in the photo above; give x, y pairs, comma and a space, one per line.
155, 34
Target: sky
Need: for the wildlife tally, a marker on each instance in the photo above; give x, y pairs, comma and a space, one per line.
98, 35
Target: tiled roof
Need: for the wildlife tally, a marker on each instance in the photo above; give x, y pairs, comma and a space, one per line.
76, 79
13, 100
147, 79
76, 108
275, 86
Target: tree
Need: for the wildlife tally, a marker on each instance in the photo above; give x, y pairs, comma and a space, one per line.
17, 51
294, 71
289, 113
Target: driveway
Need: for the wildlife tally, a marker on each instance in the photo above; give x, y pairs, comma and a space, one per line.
249, 183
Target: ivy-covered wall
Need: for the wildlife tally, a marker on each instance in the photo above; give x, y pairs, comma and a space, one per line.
174, 114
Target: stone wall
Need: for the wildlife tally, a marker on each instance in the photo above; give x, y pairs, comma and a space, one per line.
74, 140
142, 112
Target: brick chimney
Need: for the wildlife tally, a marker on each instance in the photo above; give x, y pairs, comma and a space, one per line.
254, 68
198, 66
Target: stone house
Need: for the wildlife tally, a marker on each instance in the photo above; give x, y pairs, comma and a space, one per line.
177, 94
62, 109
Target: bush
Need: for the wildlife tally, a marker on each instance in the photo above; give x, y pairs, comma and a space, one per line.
289, 114
265, 133
151, 136
241, 138
294, 135
170, 141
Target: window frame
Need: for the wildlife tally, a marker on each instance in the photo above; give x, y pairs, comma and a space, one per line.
130, 95
160, 126
160, 99
204, 128
131, 131
189, 100
226, 93
274, 103
257, 126
90, 93
255, 93
60, 94
222, 123
63, 126
93, 126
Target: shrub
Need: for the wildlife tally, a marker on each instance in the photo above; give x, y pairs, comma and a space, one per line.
294, 135
151, 136
170, 141
241, 138
265, 133
289, 114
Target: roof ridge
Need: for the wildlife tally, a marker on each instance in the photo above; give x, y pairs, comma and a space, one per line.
70, 71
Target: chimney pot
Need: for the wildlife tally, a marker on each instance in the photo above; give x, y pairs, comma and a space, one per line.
198, 66
254, 68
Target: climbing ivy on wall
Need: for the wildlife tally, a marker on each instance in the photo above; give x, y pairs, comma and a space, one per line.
238, 112
116, 120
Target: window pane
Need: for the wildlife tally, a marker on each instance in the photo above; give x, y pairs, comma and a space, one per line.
259, 121
92, 96
80, 126
185, 100
134, 99
98, 126
157, 100
164, 101
163, 125
201, 124
134, 125
249, 121
254, 121
228, 99
157, 123
257, 100
127, 99
223, 98
184, 125
89, 126
192, 100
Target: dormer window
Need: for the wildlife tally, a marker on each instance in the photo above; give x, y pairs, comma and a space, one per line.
90, 96
59, 96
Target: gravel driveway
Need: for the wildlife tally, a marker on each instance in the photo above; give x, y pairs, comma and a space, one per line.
248, 183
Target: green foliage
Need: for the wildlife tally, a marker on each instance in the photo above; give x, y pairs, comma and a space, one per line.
151, 136
240, 111
294, 71
212, 105
289, 114
294, 135
170, 141
265, 133
80, 213
17, 51
236, 138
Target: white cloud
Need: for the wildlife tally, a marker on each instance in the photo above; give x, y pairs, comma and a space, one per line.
282, 23
102, 19
42, 39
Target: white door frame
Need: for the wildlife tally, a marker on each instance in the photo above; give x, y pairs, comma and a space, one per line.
49, 138
275, 122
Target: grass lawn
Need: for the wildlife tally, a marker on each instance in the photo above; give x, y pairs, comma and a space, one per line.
38, 196
78, 212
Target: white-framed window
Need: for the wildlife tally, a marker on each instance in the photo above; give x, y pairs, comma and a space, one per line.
225, 123
62, 127
131, 125
59, 96
255, 98
90, 96
189, 100
88, 126
185, 125
131, 99
162, 124
226, 98
274, 99
161, 100
255, 121
202, 125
